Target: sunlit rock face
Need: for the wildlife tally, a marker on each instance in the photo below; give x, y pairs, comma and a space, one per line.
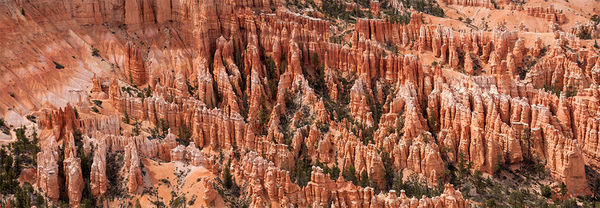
171, 95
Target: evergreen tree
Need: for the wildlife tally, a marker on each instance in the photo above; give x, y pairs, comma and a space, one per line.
364, 179
227, 177
349, 174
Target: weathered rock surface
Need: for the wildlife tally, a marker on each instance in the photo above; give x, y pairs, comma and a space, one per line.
263, 175
269, 86
47, 170
74, 180
98, 180
475, 3
548, 14
132, 168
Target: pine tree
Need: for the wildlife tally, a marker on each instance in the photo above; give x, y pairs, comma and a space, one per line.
364, 179
227, 177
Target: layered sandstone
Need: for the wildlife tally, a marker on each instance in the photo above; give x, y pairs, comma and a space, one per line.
473, 3
320, 189
47, 170
98, 180
548, 14
204, 68
132, 168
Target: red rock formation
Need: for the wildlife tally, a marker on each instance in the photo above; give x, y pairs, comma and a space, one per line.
61, 122
496, 136
136, 72
47, 170
359, 102
105, 124
204, 62
178, 153
132, 168
74, 180
548, 14
474, 3
374, 6
210, 194
98, 180
97, 89
269, 185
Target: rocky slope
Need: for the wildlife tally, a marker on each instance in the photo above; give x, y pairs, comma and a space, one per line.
304, 103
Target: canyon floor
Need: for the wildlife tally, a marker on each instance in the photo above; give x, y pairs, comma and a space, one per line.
300, 103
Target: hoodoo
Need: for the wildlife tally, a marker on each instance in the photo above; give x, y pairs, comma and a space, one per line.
320, 103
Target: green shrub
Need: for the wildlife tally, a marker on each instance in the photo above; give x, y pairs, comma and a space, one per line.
3, 127
584, 34
272, 78
416, 187
596, 19
388, 172
303, 169
126, 117
57, 65
571, 91
545, 191
95, 52
263, 117
114, 162
563, 188
569, 203
349, 174
97, 103
184, 135
516, 198
426, 6
74, 112
552, 89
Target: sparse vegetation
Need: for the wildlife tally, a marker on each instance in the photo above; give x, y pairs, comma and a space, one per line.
468, 21
334, 9
595, 19
349, 174
303, 167
395, 16
272, 78
263, 117
432, 121
232, 194
114, 163
333, 172
13, 158
414, 186
126, 117
552, 89
492, 181
74, 112
3, 127
545, 191
95, 52
426, 6
184, 135
338, 110
97, 103
584, 34
571, 91
57, 65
